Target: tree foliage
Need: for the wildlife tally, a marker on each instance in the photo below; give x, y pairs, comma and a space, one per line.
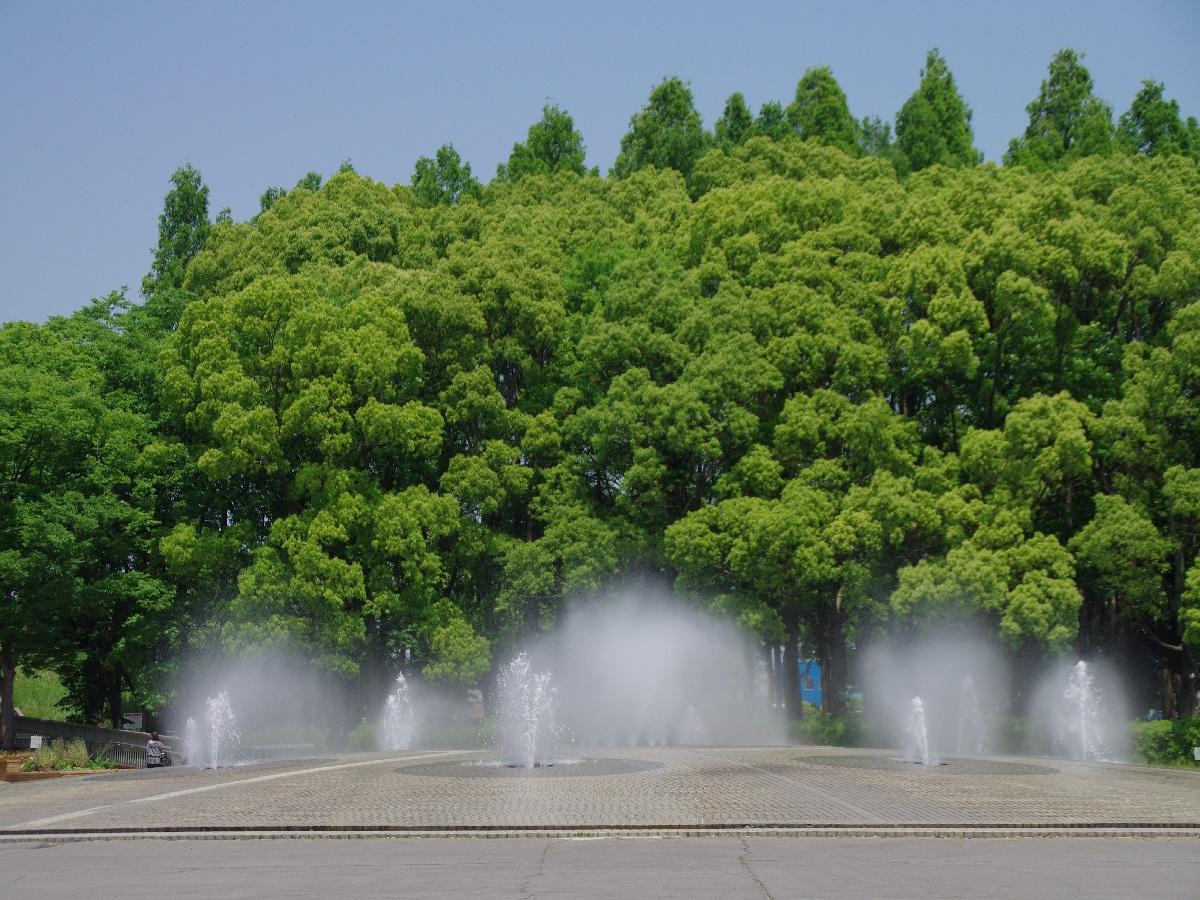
829, 396
553, 145
1153, 126
819, 111
1067, 121
182, 230
444, 179
666, 133
934, 124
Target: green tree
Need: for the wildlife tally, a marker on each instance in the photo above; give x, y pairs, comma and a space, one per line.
48, 409
553, 145
735, 123
310, 182
819, 111
183, 228
443, 180
1153, 126
1067, 121
666, 133
76, 551
934, 124
771, 121
875, 137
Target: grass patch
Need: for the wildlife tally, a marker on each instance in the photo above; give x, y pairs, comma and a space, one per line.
38, 694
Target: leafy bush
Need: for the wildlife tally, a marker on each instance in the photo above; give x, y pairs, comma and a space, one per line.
362, 738
300, 739
63, 756
1013, 736
1167, 742
834, 731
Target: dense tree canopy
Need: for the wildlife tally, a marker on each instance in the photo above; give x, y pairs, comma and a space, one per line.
830, 397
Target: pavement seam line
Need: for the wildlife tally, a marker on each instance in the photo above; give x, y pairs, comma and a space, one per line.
749, 871
797, 783
50, 820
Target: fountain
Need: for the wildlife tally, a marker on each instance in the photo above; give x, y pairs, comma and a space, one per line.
191, 742
690, 730
223, 737
918, 736
1086, 739
528, 700
970, 721
399, 717
642, 669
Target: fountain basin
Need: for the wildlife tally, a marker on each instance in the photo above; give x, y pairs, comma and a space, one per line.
568, 768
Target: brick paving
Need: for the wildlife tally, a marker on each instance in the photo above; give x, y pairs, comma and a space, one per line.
639, 786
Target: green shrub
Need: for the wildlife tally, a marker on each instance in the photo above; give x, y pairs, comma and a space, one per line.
316, 736
1013, 736
61, 755
1167, 742
834, 731
362, 738
460, 734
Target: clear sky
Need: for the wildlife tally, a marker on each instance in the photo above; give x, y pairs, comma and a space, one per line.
100, 102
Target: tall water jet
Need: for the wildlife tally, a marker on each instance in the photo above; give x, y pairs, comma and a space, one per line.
690, 729
528, 728
1086, 736
399, 717
641, 668
960, 678
1079, 711
191, 742
918, 736
223, 736
970, 721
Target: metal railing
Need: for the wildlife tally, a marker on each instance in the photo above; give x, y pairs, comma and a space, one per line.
126, 748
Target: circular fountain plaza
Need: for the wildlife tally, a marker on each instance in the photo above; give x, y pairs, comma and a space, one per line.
646, 789
539, 779
655, 726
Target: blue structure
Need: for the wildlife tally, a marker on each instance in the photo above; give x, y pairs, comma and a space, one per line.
810, 681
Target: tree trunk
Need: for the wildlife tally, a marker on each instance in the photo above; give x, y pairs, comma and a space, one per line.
1187, 685
8, 677
832, 641
766, 654
1182, 687
1168, 693
114, 701
791, 668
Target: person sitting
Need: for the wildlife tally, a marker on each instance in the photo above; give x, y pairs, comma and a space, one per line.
156, 752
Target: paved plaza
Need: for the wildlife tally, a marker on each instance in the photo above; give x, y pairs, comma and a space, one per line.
643, 788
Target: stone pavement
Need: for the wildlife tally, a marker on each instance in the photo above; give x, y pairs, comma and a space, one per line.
642, 786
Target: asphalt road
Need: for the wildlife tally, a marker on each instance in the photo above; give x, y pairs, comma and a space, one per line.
530, 868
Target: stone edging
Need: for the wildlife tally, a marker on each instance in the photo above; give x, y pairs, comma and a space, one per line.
958, 831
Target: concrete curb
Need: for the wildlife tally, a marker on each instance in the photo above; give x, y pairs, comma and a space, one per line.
1080, 830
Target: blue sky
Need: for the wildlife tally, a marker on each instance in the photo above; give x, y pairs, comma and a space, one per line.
100, 102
